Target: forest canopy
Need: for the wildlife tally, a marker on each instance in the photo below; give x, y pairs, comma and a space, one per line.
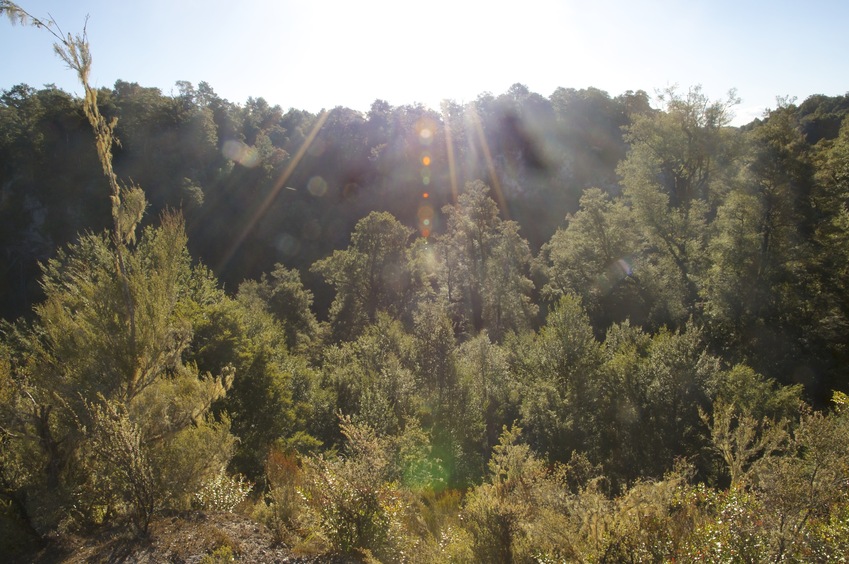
574, 327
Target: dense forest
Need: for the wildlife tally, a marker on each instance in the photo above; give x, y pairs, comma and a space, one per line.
523, 329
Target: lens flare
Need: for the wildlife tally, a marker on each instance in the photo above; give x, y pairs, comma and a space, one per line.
263, 206
616, 272
425, 128
425, 215
426, 160
288, 245
241, 153
475, 122
449, 148
312, 230
317, 148
317, 186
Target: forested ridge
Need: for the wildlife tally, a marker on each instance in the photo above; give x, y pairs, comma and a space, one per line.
522, 329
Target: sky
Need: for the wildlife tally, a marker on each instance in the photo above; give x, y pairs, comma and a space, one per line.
314, 54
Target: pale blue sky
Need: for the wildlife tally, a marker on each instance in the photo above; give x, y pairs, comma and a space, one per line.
322, 53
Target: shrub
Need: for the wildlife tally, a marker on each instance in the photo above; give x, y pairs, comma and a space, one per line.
281, 508
223, 493
356, 508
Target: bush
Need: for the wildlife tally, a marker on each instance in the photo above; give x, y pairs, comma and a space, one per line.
356, 508
281, 509
223, 493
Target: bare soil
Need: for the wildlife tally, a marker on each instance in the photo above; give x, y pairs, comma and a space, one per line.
186, 538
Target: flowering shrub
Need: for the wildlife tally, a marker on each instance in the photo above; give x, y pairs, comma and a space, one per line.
223, 493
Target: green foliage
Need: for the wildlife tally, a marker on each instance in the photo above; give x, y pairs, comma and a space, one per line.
486, 265
281, 510
271, 397
118, 465
434, 350
414, 464
827, 538
219, 555
371, 275
223, 493
808, 483
137, 383
495, 512
356, 507
494, 393
371, 379
147, 442
728, 529
672, 177
558, 370
283, 295
592, 257
525, 511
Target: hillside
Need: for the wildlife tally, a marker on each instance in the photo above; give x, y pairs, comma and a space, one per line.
525, 329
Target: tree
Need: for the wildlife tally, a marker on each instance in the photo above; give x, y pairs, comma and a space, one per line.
89, 380
356, 505
370, 379
557, 369
594, 257
495, 393
508, 304
371, 275
808, 483
659, 383
750, 420
120, 419
831, 239
590, 130
672, 176
760, 275
283, 295
486, 264
272, 393
447, 409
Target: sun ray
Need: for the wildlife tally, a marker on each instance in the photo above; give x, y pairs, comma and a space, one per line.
490, 166
275, 190
449, 148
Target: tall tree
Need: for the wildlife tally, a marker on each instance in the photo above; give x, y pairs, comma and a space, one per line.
558, 372
283, 295
486, 265
672, 176
761, 275
594, 256
371, 275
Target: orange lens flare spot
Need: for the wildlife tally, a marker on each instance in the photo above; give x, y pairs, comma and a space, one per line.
426, 161
425, 213
425, 195
425, 232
